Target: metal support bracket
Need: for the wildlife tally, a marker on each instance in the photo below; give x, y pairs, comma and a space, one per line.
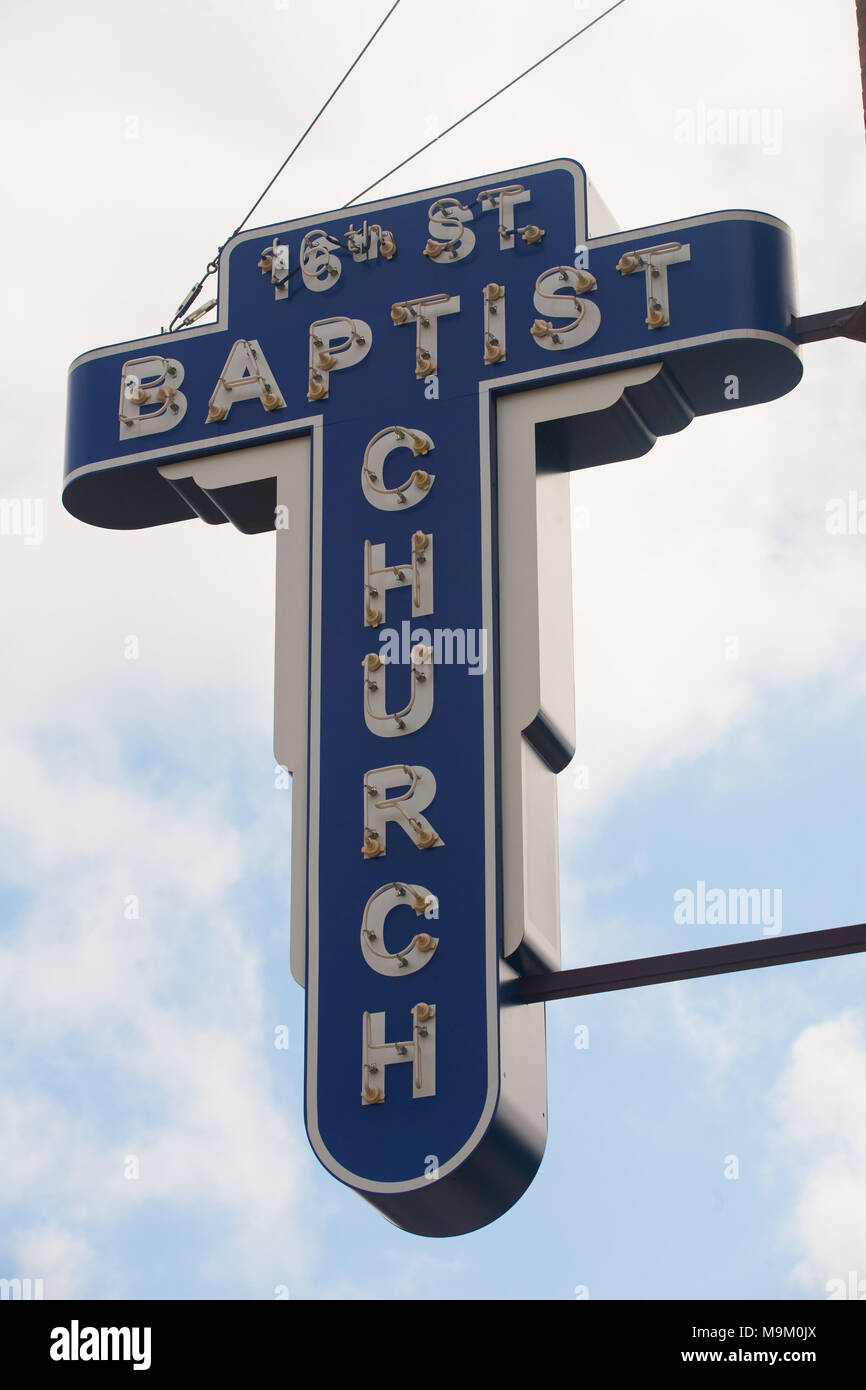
833, 323
686, 965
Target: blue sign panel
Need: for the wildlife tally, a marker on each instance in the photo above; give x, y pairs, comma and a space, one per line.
378, 348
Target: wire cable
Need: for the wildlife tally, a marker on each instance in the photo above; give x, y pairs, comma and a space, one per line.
486, 102
319, 113
212, 264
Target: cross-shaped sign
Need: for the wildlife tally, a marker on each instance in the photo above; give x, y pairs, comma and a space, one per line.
401, 390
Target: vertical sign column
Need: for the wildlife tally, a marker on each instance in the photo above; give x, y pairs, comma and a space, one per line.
403, 1069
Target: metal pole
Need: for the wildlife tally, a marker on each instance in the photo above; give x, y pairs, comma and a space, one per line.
833, 323
840, 323
861, 35
687, 965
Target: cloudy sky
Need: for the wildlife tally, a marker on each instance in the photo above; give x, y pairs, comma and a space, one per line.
151, 1135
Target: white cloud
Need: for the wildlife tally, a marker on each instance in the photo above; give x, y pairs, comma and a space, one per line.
406, 1275
718, 534
820, 1101
167, 1012
57, 1257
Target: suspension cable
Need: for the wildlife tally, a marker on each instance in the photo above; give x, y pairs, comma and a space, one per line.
212, 264
485, 102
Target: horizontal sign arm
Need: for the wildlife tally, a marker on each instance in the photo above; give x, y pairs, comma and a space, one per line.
833, 323
687, 965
